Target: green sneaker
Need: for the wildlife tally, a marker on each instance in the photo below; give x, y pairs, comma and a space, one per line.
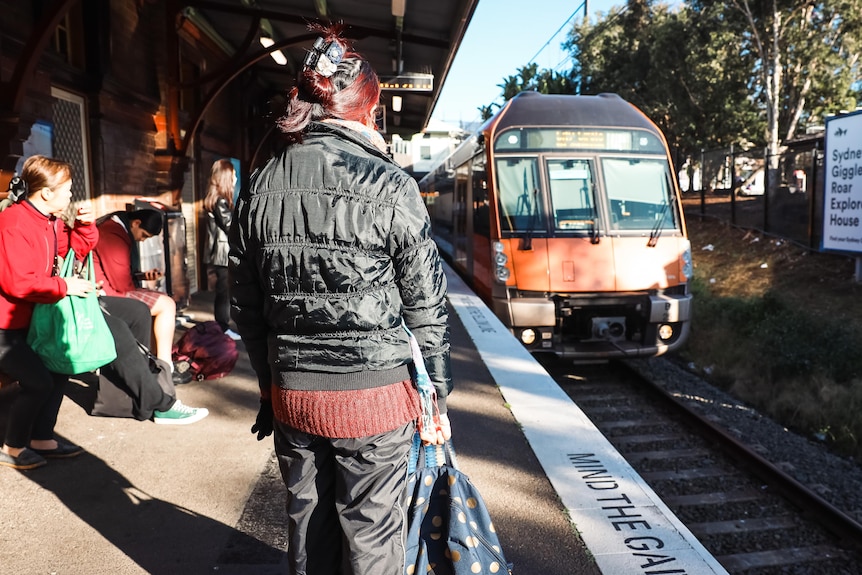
180, 414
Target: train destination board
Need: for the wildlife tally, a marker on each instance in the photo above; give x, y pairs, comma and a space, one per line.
612, 140
408, 83
581, 139
842, 201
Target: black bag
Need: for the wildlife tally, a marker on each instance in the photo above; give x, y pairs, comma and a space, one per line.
449, 530
113, 398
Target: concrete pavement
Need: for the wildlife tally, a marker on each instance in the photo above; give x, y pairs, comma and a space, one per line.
207, 498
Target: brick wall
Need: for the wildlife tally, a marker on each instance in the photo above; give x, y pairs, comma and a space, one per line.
123, 96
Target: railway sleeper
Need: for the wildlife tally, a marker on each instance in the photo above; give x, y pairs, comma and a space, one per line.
640, 438
714, 498
684, 474
779, 557
665, 455
742, 526
632, 423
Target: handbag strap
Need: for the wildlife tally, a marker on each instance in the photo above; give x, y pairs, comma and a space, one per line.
434, 455
427, 393
68, 268
430, 455
91, 269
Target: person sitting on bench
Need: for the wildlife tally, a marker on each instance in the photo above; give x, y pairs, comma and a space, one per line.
129, 322
113, 262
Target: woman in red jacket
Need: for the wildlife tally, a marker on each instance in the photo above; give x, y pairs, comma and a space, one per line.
31, 236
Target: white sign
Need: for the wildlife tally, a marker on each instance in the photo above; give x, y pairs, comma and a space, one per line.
842, 201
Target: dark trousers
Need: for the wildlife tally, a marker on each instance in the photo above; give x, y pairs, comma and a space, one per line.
33, 413
130, 322
221, 309
345, 501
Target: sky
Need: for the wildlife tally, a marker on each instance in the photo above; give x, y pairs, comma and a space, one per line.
505, 35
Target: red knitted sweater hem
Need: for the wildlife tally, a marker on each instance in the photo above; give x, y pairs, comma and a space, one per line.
352, 413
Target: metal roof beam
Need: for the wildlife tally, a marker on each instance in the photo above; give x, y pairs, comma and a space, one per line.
357, 31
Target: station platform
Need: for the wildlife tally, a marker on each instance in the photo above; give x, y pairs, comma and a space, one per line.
208, 498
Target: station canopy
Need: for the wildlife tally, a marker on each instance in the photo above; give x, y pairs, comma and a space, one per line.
410, 44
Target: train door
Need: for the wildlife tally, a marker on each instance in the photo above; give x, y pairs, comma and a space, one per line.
522, 210
483, 268
578, 260
462, 235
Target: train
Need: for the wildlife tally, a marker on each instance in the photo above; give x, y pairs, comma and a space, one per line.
564, 215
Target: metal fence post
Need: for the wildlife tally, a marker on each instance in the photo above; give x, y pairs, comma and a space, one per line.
702, 190
732, 184
766, 188
811, 184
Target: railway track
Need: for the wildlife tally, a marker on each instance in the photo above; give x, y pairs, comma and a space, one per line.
754, 518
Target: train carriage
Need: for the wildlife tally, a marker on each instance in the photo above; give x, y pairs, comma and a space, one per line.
563, 214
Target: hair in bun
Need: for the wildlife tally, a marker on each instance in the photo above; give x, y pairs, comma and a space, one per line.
334, 82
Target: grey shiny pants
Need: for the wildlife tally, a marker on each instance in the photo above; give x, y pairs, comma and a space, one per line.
345, 501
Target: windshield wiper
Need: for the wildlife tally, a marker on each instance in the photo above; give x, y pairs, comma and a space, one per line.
594, 227
659, 225
527, 238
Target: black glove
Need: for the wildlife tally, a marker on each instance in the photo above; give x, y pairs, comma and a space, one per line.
263, 424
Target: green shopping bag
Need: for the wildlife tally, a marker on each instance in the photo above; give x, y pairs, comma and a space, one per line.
71, 335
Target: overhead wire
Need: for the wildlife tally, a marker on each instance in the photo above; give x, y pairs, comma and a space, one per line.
554, 35
585, 39
569, 56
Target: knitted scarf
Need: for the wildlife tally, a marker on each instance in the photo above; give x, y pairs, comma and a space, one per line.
370, 134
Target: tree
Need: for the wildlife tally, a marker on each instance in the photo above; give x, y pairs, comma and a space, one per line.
715, 73
530, 78
805, 58
487, 111
680, 69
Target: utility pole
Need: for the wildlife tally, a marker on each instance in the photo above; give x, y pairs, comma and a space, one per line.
586, 10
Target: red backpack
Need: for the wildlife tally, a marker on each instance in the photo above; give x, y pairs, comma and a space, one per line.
209, 352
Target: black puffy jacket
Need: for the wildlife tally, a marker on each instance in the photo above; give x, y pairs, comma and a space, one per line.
330, 249
218, 225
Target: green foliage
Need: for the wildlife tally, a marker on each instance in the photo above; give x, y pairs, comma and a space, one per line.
682, 69
487, 111
792, 343
777, 340
802, 370
531, 79
716, 73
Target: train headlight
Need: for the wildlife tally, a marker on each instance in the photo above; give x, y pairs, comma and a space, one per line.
665, 332
501, 272
687, 266
528, 336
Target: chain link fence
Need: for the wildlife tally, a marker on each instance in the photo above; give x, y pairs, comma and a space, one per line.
780, 195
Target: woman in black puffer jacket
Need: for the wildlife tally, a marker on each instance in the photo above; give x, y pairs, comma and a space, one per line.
330, 251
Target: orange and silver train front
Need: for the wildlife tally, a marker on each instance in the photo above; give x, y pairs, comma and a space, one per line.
590, 258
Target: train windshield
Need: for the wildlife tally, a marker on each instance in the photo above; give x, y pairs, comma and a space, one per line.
639, 193
520, 200
572, 194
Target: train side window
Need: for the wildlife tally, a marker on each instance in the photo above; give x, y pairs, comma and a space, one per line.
519, 196
572, 198
639, 193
